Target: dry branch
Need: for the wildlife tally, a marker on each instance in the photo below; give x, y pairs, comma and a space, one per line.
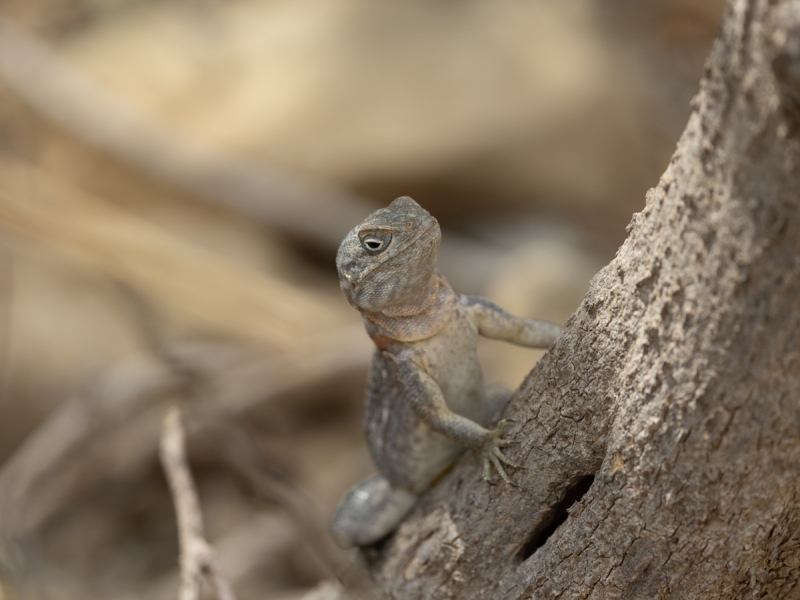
111, 425
239, 450
319, 212
197, 557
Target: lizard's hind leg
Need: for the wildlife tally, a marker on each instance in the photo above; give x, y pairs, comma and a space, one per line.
497, 396
370, 511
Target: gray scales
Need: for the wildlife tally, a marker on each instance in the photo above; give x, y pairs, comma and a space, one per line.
426, 401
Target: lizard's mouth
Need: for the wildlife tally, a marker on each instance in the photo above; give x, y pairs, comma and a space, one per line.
353, 283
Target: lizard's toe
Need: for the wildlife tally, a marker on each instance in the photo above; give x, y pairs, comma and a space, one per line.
487, 470
504, 459
500, 470
493, 455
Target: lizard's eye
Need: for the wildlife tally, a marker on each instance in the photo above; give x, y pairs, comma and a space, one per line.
375, 243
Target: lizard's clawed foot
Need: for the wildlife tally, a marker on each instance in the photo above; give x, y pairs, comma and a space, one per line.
493, 455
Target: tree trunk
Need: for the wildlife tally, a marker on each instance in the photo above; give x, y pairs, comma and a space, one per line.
660, 436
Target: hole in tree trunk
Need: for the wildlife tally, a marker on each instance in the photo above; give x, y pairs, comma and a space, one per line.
557, 516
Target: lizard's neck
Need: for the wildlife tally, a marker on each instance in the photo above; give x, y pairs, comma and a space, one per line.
428, 318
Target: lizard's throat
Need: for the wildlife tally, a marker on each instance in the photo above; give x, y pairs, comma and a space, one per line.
415, 322
417, 303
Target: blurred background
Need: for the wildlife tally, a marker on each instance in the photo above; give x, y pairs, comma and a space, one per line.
175, 177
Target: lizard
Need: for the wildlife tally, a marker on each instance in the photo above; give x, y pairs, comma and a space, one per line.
426, 402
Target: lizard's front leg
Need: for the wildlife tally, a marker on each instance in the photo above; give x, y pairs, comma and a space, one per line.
429, 405
498, 324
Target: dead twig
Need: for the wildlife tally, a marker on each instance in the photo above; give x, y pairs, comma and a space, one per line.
240, 450
242, 456
246, 549
196, 555
107, 427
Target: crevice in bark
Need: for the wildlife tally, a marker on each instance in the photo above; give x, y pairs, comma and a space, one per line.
557, 516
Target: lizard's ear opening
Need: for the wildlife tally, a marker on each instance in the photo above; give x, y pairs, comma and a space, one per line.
375, 242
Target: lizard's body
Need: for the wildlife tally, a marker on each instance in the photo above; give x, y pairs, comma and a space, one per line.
404, 447
426, 401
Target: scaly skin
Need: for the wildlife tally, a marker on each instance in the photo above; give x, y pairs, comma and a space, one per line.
426, 402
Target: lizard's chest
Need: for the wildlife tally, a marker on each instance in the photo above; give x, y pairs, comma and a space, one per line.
451, 359
403, 446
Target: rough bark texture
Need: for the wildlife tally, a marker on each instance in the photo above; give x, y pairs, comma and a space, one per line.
673, 396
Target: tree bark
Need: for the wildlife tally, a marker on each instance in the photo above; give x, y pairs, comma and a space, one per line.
660, 436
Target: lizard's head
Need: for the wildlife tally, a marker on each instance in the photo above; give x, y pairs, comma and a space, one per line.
388, 262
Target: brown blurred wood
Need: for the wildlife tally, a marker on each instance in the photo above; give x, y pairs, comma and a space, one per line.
316, 211
659, 435
319, 212
195, 286
111, 425
32, 481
